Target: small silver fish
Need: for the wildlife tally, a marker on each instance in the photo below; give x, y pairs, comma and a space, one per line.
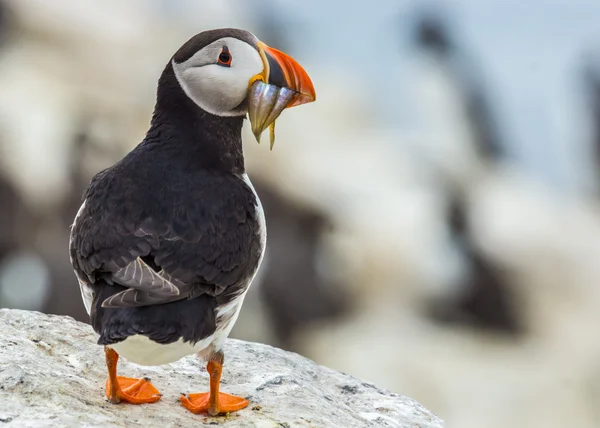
266, 104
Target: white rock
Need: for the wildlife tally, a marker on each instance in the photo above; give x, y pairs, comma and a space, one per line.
52, 374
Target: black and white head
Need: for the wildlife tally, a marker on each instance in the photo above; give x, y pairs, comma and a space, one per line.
229, 72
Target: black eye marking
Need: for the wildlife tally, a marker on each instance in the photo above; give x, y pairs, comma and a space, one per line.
225, 57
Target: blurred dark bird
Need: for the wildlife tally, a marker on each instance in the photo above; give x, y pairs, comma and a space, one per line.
6, 22
434, 36
591, 78
169, 239
295, 292
10, 208
11, 205
85, 145
485, 298
19, 229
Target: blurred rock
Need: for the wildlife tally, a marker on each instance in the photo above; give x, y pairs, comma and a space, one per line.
51, 363
471, 377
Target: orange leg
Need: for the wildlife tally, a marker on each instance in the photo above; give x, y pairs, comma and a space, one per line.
213, 402
119, 388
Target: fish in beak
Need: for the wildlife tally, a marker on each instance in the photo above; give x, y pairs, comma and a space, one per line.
283, 83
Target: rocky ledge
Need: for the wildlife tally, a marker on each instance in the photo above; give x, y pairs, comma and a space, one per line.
52, 373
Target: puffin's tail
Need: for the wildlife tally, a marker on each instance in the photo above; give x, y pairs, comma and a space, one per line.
190, 319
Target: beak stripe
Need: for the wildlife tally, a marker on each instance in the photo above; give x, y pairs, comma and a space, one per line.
277, 75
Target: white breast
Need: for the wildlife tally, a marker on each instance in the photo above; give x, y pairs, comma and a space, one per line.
86, 291
260, 214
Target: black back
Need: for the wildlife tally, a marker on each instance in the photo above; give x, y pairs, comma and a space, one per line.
177, 200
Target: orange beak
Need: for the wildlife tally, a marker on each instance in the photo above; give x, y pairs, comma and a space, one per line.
284, 71
283, 83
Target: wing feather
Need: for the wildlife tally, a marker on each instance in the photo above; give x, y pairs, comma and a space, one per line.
201, 241
145, 286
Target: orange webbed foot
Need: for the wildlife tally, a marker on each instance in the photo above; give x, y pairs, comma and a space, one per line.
225, 403
133, 391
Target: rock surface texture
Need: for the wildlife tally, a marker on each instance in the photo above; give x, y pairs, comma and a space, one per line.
52, 373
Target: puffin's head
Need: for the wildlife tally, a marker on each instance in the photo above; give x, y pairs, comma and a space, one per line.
229, 72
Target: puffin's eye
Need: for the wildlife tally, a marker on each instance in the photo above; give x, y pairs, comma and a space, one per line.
225, 57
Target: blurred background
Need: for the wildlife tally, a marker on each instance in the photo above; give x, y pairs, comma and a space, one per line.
434, 219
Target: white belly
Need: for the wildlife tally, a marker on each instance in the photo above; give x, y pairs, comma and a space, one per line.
143, 351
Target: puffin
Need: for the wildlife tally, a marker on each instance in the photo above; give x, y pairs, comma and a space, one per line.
168, 240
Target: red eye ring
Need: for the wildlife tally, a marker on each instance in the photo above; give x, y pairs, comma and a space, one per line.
224, 57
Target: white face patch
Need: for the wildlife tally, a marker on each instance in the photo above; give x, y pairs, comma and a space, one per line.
215, 88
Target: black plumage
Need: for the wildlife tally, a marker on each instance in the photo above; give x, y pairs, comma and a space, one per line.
179, 202
168, 240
